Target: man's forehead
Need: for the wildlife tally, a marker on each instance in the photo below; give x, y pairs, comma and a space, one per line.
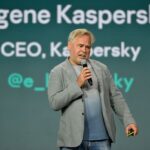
82, 40
83, 36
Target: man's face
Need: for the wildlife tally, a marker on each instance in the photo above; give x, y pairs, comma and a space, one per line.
79, 49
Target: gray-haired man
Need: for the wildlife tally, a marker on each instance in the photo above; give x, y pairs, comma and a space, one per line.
86, 110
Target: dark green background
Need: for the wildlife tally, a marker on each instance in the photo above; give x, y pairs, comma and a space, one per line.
26, 120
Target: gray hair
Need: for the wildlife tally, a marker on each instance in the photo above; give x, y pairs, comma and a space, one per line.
80, 32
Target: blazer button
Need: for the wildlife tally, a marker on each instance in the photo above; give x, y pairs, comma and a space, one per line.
82, 100
82, 113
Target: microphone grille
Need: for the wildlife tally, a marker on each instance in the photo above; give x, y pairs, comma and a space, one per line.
83, 62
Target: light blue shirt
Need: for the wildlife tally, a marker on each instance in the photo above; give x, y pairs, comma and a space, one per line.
94, 128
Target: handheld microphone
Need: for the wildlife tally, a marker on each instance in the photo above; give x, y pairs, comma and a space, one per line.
84, 64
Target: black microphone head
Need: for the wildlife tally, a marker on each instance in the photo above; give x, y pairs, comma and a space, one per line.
83, 62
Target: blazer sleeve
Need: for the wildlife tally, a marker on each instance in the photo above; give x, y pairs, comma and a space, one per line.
118, 102
58, 95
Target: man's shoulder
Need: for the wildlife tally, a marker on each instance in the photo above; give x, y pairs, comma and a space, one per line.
98, 63
59, 66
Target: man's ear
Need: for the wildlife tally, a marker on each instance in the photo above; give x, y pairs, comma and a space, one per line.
69, 46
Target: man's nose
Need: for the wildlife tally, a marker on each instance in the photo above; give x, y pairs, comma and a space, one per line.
84, 49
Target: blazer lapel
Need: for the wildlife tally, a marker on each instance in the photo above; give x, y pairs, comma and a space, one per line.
99, 74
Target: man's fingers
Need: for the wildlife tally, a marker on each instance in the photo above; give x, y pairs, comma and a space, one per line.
86, 72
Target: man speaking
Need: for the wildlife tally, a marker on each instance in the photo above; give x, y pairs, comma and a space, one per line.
83, 90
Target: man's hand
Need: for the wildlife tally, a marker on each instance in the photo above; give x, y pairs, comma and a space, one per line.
133, 127
83, 76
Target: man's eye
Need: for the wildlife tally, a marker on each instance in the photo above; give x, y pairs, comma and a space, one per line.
88, 47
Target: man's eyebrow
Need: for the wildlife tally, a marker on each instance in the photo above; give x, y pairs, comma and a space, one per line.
83, 44
80, 44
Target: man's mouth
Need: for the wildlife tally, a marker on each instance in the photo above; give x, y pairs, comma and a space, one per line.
82, 56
